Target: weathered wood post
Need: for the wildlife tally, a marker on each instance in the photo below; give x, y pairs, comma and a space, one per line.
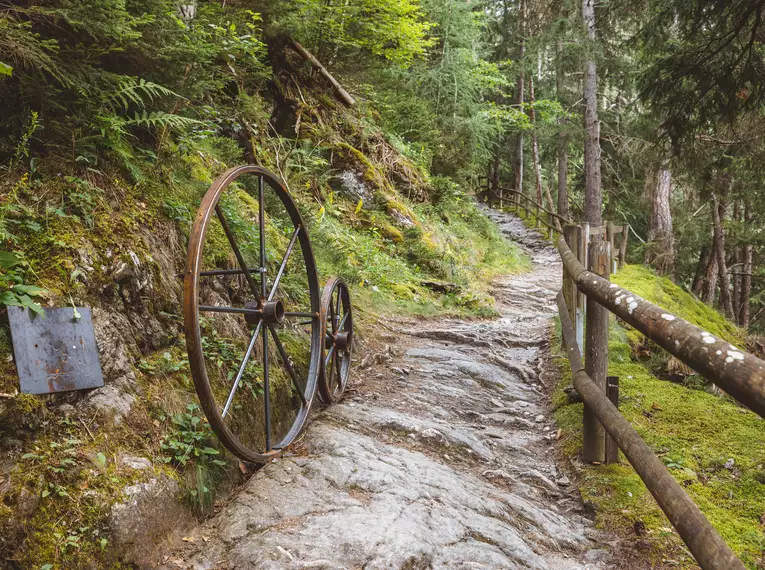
525, 205
570, 234
612, 391
549, 226
582, 242
537, 215
623, 245
596, 351
610, 240
501, 195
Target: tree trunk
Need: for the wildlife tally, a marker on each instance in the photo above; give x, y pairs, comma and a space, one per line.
519, 95
562, 141
495, 171
661, 251
701, 268
738, 262
746, 278
593, 200
718, 213
534, 142
710, 280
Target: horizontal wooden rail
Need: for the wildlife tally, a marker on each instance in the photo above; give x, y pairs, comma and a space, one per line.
535, 204
740, 374
704, 542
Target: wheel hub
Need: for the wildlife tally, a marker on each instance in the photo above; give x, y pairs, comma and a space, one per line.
271, 312
341, 341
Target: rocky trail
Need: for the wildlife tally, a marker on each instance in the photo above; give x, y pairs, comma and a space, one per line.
441, 456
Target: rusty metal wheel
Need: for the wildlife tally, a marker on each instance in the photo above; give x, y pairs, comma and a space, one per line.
337, 320
251, 278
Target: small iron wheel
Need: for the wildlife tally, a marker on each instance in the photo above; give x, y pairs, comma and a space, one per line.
252, 313
337, 320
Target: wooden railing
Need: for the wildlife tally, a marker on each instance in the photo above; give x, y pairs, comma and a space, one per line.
520, 202
589, 257
739, 373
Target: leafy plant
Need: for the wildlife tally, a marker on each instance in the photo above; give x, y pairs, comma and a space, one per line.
14, 291
189, 440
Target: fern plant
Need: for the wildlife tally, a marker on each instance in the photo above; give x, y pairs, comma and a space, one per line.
128, 107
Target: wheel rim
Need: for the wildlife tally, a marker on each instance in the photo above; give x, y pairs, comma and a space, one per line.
337, 320
249, 307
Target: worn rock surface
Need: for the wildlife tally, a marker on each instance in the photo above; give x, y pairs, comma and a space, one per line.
150, 514
440, 457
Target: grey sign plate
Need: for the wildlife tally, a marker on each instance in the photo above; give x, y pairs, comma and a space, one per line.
57, 353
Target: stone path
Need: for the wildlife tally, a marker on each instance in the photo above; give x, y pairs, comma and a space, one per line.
440, 457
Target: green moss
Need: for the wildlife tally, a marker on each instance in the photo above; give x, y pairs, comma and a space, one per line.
661, 291
353, 157
693, 432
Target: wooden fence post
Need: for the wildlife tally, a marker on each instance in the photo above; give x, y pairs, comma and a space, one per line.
596, 359
582, 242
501, 194
612, 391
537, 215
623, 245
570, 234
549, 226
610, 240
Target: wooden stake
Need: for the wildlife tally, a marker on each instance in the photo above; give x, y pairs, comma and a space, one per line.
612, 391
596, 355
610, 240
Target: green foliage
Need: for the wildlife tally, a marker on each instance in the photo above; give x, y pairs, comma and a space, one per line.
394, 30
189, 440
13, 289
188, 445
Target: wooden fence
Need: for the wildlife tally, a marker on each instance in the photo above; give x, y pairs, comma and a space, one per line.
587, 296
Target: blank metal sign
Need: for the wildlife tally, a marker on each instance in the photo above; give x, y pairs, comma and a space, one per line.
57, 353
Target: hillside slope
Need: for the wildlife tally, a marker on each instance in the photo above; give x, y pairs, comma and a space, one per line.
100, 478
710, 444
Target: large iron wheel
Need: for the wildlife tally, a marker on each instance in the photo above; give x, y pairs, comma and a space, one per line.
337, 320
252, 313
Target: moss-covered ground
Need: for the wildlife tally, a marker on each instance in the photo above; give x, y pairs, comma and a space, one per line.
712, 446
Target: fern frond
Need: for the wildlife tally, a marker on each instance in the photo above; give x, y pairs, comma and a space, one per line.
137, 90
161, 119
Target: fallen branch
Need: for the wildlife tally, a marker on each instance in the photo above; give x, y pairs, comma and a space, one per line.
344, 96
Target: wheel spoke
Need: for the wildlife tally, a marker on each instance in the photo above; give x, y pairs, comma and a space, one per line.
239, 374
266, 392
329, 355
287, 365
333, 354
237, 253
332, 314
284, 264
342, 322
215, 272
299, 314
340, 357
223, 309
262, 220
337, 311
